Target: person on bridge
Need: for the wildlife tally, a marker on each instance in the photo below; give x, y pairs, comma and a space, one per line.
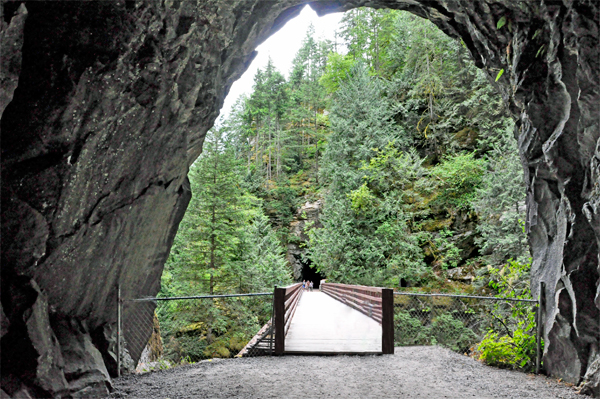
310, 284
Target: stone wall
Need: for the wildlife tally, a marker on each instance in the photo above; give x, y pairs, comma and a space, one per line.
105, 104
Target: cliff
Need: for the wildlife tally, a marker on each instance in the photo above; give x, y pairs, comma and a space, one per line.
307, 217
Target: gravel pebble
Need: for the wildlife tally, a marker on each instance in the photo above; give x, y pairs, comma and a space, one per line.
412, 372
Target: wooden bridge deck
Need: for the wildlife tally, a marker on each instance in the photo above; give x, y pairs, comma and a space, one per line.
323, 325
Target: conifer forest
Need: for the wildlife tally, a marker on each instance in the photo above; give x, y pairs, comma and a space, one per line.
405, 145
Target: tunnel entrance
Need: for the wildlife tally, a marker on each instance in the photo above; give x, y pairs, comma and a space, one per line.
311, 274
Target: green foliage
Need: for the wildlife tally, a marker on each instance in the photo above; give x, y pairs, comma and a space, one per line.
511, 281
398, 135
209, 233
515, 352
516, 349
452, 333
367, 33
444, 330
458, 178
411, 151
499, 74
337, 71
500, 203
262, 259
501, 22
361, 199
446, 254
361, 120
225, 243
410, 331
365, 237
204, 329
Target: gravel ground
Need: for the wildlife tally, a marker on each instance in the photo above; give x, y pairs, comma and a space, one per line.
412, 372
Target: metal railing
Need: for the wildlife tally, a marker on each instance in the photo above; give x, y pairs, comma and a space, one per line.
161, 332
285, 302
460, 322
366, 300
375, 302
191, 328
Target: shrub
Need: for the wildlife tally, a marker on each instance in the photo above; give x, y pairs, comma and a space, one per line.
516, 349
452, 333
458, 177
409, 330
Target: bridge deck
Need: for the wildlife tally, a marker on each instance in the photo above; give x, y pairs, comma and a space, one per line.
324, 325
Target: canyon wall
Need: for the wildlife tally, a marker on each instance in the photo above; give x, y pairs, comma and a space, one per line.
105, 105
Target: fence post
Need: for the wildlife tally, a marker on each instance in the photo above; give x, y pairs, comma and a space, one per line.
539, 324
279, 302
387, 321
119, 330
272, 323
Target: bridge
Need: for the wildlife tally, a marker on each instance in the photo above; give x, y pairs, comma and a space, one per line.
338, 319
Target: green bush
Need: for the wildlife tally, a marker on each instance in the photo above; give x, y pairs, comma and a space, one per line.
452, 333
516, 349
516, 352
458, 178
410, 331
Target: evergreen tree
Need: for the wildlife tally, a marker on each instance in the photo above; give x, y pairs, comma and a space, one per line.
262, 259
501, 205
361, 121
210, 231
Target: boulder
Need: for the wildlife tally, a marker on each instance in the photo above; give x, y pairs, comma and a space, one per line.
84, 369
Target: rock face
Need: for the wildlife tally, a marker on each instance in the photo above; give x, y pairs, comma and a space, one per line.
105, 104
306, 214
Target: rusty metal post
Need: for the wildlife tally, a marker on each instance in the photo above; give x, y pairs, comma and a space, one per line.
387, 321
539, 324
279, 302
119, 330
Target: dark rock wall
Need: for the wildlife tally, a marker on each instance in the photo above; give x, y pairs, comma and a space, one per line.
105, 104
308, 213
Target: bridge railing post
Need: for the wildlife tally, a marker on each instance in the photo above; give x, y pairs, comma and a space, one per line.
279, 304
387, 321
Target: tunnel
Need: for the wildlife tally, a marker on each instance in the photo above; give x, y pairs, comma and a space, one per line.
310, 273
105, 105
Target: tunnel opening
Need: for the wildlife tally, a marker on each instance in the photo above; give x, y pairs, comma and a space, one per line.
310, 273
121, 189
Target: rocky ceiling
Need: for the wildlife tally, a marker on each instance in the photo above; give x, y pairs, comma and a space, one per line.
105, 104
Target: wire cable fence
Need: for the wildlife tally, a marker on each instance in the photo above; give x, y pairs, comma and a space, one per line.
163, 332
460, 322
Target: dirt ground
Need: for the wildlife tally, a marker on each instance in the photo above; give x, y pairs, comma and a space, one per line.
412, 372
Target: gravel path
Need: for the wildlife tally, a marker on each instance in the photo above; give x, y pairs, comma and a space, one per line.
413, 372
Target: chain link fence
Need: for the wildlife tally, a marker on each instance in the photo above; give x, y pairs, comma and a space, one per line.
163, 332
459, 322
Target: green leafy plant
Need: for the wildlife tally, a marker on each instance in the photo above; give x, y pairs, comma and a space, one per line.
516, 347
501, 22
410, 331
452, 333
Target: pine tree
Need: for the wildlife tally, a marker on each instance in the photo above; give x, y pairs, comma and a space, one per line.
262, 260
361, 120
215, 215
501, 205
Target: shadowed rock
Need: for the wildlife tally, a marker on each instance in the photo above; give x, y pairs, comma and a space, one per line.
107, 104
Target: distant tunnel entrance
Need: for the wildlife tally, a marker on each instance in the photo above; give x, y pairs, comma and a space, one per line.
311, 274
